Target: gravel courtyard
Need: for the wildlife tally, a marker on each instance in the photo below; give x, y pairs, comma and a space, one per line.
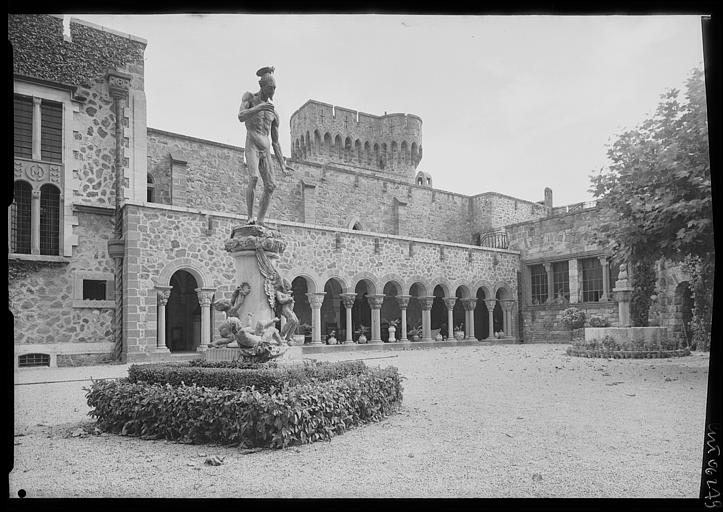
477, 421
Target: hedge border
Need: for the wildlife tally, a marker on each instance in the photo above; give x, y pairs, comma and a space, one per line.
628, 354
294, 415
262, 378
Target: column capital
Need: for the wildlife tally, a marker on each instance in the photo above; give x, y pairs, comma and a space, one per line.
490, 303
469, 304
603, 260
507, 304
316, 299
205, 295
548, 266
375, 301
403, 301
426, 302
450, 302
348, 299
164, 293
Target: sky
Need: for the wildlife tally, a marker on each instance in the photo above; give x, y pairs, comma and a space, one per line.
509, 104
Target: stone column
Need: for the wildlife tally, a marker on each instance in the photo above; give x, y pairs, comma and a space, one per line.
550, 284
606, 278
426, 303
204, 299
508, 323
163, 294
449, 302
574, 282
490, 303
316, 300
469, 305
403, 301
348, 300
35, 224
375, 303
36, 127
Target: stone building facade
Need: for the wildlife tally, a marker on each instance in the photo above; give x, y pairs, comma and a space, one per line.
126, 251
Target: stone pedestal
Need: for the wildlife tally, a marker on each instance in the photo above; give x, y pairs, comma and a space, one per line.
623, 296
256, 251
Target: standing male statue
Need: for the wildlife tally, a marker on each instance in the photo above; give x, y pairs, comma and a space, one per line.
258, 113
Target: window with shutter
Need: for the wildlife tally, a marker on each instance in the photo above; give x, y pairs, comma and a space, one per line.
49, 220
51, 131
23, 126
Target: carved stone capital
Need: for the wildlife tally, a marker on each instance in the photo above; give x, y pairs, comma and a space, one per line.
603, 260
426, 302
118, 84
490, 303
316, 299
403, 301
469, 304
205, 295
375, 301
164, 293
348, 299
507, 305
450, 302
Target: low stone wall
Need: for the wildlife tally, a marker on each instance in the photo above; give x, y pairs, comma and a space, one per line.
642, 335
543, 323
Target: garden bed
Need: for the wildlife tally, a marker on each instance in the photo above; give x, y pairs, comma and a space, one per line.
249, 407
627, 354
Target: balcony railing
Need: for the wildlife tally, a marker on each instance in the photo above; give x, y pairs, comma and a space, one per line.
575, 207
494, 240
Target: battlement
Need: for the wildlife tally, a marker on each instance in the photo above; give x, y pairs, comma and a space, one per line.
390, 143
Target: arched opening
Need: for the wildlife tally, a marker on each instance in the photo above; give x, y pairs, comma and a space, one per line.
404, 155
49, 220
420, 181
183, 314
368, 152
383, 156
414, 153
377, 158
327, 144
339, 147
331, 310
150, 189
458, 313
390, 309
317, 142
498, 314
683, 307
20, 218
361, 312
347, 149
395, 153
358, 147
439, 313
481, 317
307, 146
302, 308
414, 309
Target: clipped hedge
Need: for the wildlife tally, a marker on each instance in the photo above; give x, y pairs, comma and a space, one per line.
294, 415
234, 378
627, 354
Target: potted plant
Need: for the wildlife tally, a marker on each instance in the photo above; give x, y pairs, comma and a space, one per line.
459, 331
331, 338
415, 333
500, 334
393, 329
361, 332
305, 329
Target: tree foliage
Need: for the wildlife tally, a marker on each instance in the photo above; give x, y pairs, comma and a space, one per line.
658, 188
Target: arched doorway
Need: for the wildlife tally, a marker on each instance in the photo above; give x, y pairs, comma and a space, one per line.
414, 309
458, 313
331, 310
390, 309
302, 308
361, 312
481, 317
439, 312
183, 314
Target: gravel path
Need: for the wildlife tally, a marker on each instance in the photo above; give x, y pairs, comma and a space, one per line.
494, 421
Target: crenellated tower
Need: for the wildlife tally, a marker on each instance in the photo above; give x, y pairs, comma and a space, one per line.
390, 144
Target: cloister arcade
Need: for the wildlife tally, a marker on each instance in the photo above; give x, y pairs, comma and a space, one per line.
371, 303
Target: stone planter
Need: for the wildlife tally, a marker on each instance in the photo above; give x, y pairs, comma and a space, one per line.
438, 337
459, 335
392, 330
299, 339
331, 341
362, 339
413, 337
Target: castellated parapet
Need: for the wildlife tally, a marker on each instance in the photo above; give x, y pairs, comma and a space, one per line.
390, 144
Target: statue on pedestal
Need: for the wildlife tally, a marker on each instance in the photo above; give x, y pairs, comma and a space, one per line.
285, 300
258, 113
